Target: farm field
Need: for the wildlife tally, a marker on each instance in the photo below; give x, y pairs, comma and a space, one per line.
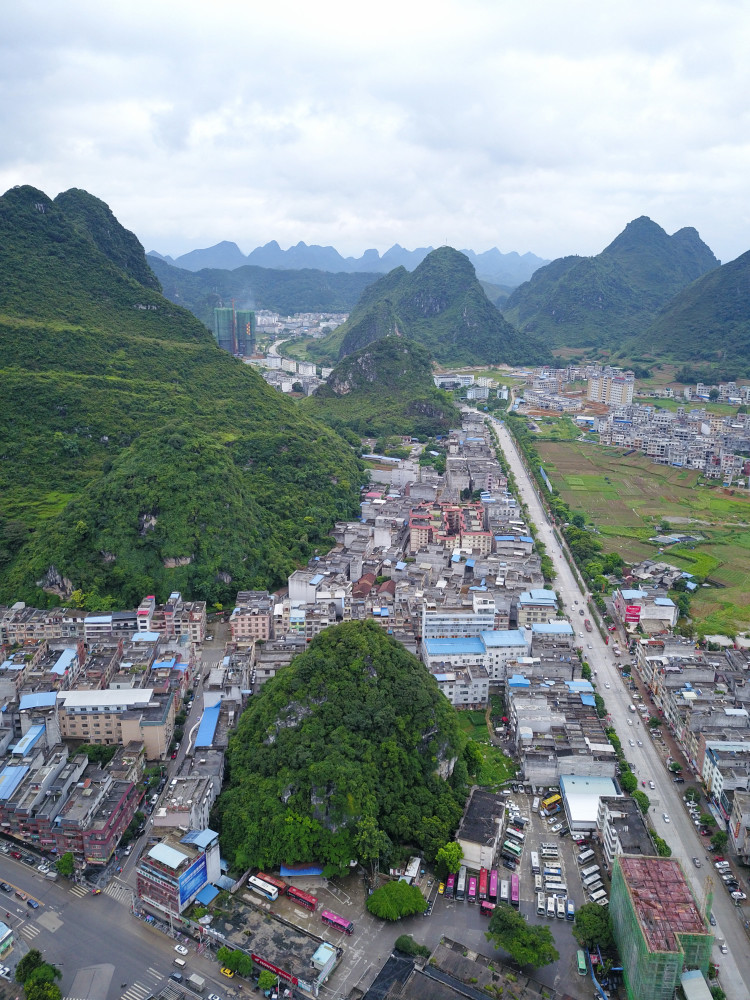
626, 498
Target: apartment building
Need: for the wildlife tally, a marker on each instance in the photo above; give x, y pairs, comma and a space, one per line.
118, 716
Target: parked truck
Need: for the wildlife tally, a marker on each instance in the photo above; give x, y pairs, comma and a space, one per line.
196, 983
587, 625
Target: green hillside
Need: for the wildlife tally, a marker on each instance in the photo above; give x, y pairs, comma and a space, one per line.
443, 307
706, 324
385, 388
598, 301
251, 287
137, 456
340, 756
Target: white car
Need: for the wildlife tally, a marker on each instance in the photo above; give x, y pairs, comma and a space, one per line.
651, 785
180, 949
630, 722
697, 862
556, 827
4, 972
606, 684
581, 635
723, 946
640, 743
665, 817
738, 896
631, 742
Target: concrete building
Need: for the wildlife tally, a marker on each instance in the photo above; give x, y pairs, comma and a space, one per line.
537, 605
171, 874
658, 926
119, 716
622, 829
611, 386
739, 826
480, 827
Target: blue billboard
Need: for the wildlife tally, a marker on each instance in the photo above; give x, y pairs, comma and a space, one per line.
193, 880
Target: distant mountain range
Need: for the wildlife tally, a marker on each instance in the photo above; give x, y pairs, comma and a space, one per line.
440, 305
505, 269
601, 301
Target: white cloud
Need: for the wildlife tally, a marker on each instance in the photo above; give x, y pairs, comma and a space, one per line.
543, 127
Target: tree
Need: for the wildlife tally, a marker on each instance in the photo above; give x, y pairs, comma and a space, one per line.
628, 782
65, 864
267, 979
371, 842
44, 973
654, 722
30, 961
527, 945
642, 801
706, 819
396, 900
719, 840
449, 858
578, 520
692, 795
42, 991
713, 394
406, 944
662, 847
586, 672
592, 926
675, 768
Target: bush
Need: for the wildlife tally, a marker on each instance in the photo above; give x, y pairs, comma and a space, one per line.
396, 900
406, 944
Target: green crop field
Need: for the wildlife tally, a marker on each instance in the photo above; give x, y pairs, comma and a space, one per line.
627, 498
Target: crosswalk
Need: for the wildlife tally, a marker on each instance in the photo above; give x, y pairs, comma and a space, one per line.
79, 890
137, 992
30, 931
119, 892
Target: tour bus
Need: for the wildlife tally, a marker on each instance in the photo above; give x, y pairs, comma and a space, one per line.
461, 883
472, 888
596, 896
302, 898
585, 872
337, 922
550, 906
553, 869
277, 883
541, 904
492, 892
557, 889
269, 892
581, 957
548, 855
561, 908
535, 805
516, 834
590, 879
450, 886
570, 910
505, 890
515, 891
534, 863
595, 887
515, 849
482, 884
538, 882
585, 856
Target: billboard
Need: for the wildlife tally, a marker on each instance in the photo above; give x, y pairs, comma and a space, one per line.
192, 880
633, 613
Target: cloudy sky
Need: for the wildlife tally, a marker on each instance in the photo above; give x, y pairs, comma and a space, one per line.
530, 126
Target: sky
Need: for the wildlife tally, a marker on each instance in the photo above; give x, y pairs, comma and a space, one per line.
529, 126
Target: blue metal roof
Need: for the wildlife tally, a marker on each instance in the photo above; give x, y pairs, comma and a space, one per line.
454, 647
207, 894
493, 638
553, 628
39, 699
65, 659
201, 838
207, 728
10, 778
30, 738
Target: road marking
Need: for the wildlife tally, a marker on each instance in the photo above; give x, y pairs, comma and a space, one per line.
79, 890
118, 892
136, 992
30, 930
154, 972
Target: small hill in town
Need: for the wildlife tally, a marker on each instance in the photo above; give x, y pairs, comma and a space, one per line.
385, 388
599, 301
707, 323
283, 291
440, 305
138, 457
348, 750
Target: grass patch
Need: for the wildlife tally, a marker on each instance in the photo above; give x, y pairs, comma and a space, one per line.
497, 767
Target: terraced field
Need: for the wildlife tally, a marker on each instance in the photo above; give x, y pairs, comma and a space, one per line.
628, 497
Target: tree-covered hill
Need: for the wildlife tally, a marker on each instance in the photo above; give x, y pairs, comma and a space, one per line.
599, 301
348, 750
285, 292
138, 457
386, 388
440, 305
708, 322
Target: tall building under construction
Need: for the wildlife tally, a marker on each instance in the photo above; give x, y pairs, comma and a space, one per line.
659, 928
234, 330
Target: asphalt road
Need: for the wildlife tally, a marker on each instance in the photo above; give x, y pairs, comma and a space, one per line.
679, 832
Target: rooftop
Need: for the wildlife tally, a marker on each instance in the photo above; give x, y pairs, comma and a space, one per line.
662, 900
479, 823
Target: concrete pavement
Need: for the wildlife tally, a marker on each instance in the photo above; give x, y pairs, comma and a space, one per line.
679, 831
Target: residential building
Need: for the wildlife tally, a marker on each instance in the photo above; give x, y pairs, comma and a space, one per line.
118, 716
171, 874
611, 386
622, 829
480, 827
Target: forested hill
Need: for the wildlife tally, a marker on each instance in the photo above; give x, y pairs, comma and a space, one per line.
345, 752
138, 457
285, 292
386, 388
598, 301
709, 322
443, 307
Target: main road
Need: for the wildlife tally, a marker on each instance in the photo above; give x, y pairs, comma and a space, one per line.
678, 830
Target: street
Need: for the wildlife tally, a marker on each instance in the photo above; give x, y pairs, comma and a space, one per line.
679, 832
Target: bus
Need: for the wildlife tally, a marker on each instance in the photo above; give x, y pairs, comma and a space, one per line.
515, 891
558, 888
553, 869
541, 904
472, 888
482, 884
515, 849
278, 883
492, 892
596, 896
504, 891
534, 863
515, 834
581, 962
585, 856
337, 922
269, 892
461, 883
450, 886
551, 800
595, 887
571, 910
302, 898
561, 908
486, 908
550, 906
590, 879
585, 872
549, 851
538, 883
602, 902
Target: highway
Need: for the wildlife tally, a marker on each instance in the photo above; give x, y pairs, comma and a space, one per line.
679, 832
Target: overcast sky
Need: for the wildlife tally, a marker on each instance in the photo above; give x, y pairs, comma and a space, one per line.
541, 126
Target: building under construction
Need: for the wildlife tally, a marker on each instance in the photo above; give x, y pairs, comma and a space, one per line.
234, 330
658, 926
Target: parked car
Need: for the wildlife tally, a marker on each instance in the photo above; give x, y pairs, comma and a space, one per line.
180, 949
697, 862
32, 903
16, 854
665, 817
712, 920
739, 896
651, 785
5, 887
678, 780
31, 862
